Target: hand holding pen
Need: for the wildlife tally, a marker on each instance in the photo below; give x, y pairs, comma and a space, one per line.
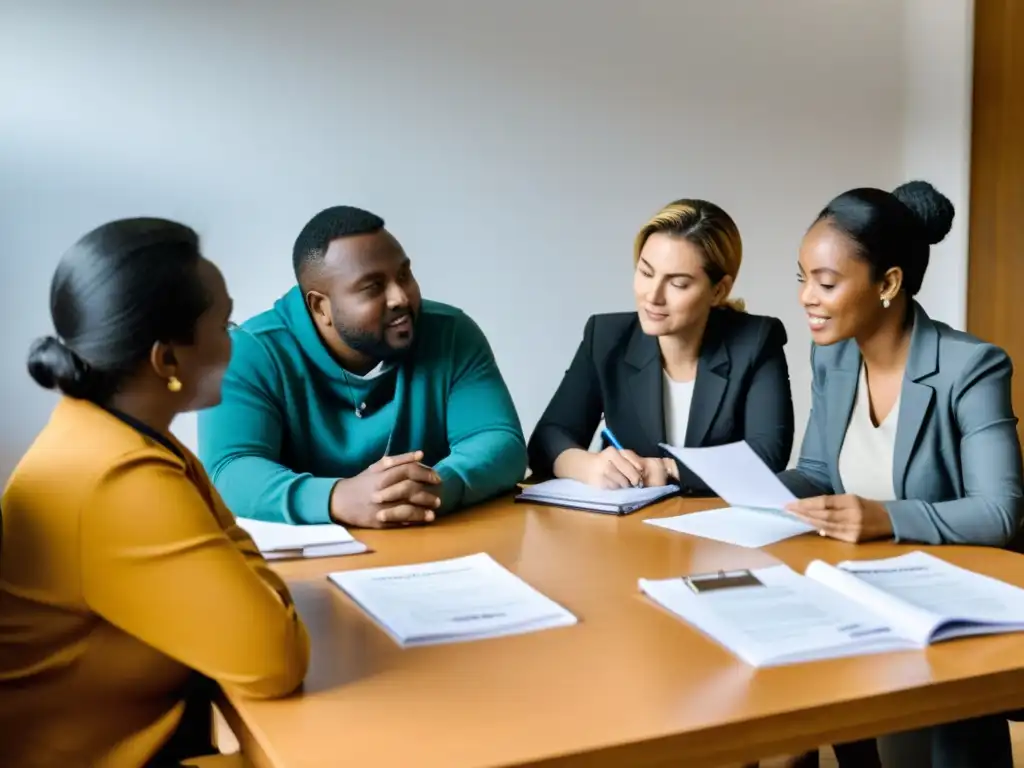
618, 467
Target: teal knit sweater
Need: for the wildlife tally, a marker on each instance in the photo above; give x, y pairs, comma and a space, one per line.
287, 428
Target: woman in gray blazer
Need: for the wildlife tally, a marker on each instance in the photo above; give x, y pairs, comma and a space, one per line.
912, 435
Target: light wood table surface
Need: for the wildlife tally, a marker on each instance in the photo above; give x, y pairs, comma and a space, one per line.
630, 686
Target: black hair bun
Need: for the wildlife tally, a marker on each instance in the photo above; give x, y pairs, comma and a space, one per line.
55, 366
929, 206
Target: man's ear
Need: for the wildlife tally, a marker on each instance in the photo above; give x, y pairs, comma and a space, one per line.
319, 307
162, 360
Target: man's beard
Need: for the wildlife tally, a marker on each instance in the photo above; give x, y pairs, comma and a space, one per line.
375, 345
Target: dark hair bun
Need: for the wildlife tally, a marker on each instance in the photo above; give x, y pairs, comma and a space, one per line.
54, 366
929, 206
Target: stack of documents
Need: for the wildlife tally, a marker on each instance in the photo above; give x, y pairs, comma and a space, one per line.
774, 615
756, 515
467, 598
280, 541
576, 495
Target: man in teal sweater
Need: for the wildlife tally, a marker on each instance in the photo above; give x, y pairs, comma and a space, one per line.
354, 401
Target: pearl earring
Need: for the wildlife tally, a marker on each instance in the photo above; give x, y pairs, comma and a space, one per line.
885, 303
174, 384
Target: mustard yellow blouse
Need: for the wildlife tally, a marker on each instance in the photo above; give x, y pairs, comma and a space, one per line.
122, 574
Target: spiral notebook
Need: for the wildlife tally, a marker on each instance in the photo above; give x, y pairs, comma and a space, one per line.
575, 495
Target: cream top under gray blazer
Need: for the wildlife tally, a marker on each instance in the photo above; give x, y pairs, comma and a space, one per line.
957, 458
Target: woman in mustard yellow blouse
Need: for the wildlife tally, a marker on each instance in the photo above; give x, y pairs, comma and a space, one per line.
126, 589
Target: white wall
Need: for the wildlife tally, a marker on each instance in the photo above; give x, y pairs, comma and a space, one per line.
938, 56
514, 148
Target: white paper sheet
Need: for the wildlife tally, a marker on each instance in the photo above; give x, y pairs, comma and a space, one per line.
751, 528
281, 540
736, 474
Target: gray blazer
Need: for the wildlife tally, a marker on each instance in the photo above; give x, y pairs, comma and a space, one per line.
957, 459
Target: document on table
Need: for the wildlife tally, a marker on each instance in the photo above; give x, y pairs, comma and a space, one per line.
735, 525
281, 541
572, 494
774, 615
466, 598
756, 515
785, 618
930, 599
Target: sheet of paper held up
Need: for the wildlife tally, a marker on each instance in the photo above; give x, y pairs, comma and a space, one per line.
756, 516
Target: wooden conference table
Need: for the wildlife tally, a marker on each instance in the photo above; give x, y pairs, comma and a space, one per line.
630, 685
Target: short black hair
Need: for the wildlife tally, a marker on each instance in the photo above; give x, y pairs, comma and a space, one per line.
328, 225
893, 229
120, 289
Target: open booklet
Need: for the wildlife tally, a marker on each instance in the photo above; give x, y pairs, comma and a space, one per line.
466, 598
774, 615
572, 494
281, 541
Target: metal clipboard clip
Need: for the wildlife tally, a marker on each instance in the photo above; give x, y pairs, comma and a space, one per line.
701, 583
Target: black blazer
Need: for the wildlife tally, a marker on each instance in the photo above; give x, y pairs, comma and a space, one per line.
742, 392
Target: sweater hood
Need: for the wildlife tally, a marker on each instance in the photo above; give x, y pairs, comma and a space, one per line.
291, 309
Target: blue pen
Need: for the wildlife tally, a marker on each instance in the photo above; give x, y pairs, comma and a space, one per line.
607, 433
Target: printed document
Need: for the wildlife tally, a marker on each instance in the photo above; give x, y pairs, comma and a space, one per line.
466, 598
777, 616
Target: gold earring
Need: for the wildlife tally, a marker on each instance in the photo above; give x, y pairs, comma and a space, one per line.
174, 384
885, 303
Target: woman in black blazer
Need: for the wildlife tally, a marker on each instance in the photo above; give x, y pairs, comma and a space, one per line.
688, 368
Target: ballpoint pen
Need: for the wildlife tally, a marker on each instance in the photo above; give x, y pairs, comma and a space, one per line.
607, 433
